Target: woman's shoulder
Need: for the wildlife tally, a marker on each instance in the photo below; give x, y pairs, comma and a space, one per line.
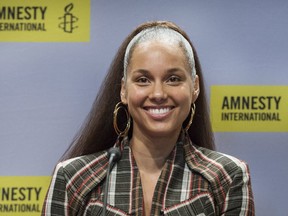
84, 166
218, 157
75, 178
215, 165
221, 171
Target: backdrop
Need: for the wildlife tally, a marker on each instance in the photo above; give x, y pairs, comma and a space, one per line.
47, 89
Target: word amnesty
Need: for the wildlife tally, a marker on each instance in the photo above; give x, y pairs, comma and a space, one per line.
22, 13
19, 193
22, 18
251, 103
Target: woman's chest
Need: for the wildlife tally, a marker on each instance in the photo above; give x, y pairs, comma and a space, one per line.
177, 191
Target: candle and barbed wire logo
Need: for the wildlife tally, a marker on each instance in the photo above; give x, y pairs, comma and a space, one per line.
69, 20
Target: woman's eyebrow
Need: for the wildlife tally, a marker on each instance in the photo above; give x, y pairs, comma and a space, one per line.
175, 70
141, 71
147, 72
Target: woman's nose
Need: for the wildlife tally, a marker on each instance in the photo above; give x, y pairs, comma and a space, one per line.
158, 92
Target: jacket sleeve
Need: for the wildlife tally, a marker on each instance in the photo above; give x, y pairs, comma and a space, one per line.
56, 201
239, 198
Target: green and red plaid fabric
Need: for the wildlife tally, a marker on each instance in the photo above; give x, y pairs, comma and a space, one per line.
194, 181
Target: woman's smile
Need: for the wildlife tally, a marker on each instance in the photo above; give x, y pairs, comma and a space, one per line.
158, 113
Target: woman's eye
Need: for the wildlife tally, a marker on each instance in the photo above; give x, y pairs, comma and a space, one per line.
142, 80
174, 79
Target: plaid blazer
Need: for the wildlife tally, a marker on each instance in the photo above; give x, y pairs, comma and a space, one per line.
194, 181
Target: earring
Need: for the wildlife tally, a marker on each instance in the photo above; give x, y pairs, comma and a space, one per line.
193, 108
118, 106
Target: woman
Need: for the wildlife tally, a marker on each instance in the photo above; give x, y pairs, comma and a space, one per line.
168, 164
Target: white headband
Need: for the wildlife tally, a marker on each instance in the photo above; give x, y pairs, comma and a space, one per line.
162, 34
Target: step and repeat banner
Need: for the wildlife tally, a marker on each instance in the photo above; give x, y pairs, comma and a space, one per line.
54, 55
37, 21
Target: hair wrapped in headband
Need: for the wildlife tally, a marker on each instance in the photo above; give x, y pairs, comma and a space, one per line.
163, 34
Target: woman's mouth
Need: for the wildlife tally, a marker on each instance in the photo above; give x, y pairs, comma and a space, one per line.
159, 111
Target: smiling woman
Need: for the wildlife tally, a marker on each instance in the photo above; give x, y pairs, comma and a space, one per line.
162, 129
158, 90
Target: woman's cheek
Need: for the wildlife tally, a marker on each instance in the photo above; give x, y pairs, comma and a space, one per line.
137, 95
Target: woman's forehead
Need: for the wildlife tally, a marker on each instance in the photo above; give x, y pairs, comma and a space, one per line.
153, 51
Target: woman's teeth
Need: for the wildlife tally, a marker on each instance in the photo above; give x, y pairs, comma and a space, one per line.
159, 111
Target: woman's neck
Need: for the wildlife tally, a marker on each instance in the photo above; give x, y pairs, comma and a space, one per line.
151, 153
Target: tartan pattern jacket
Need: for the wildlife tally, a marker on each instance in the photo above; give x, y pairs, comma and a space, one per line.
194, 181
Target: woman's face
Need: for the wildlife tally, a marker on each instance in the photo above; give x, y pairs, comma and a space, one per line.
158, 89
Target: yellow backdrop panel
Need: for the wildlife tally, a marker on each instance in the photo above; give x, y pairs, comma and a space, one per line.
249, 108
45, 21
22, 195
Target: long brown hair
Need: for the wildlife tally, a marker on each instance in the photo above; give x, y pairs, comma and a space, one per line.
97, 132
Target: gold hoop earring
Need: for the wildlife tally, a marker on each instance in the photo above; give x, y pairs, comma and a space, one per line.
193, 108
120, 133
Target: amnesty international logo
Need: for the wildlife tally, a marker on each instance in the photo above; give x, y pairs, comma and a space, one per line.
69, 20
22, 195
44, 21
249, 108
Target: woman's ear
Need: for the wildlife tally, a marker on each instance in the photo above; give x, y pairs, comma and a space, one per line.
123, 92
196, 88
